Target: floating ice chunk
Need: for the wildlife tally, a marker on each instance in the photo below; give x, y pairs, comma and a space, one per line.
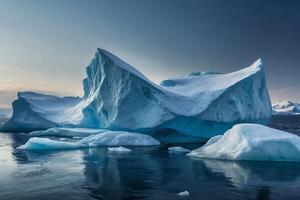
252, 142
184, 194
106, 138
178, 150
119, 138
47, 144
67, 132
119, 149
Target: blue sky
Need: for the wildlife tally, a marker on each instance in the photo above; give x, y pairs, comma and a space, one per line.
45, 45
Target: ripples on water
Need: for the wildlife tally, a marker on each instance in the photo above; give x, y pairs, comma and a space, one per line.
147, 173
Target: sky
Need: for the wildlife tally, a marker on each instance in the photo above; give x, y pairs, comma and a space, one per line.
45, 45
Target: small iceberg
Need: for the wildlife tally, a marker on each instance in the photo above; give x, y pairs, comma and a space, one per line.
119, 149
105, 138
119, 138
251, 142
36, 143
183, 194
179, 150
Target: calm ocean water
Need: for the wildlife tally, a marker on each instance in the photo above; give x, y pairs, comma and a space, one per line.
147, 173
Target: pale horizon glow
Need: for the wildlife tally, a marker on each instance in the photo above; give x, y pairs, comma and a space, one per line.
46, 45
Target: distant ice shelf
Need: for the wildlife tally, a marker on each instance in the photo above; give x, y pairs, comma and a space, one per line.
286, 108
186, 109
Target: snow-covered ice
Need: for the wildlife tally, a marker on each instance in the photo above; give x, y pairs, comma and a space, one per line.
286, 108
190, 108
178, 150
252, 142
119, 149
104, 138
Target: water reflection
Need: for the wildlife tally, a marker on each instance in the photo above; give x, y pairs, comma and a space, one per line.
146, 173
116, 176
256, 173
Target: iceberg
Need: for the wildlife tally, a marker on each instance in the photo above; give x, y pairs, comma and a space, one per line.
286, 108
33, 111
178, 150
251, 142
101, 139
119, 150
186, 109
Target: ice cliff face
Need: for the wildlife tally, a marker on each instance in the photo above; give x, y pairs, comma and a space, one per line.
286, 108
186, 109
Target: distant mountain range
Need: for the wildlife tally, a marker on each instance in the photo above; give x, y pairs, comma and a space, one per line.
286, 108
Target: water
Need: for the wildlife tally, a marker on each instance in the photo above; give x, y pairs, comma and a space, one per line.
147, 173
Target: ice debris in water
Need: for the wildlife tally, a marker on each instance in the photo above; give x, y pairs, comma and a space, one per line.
119, 149
178, 150
184, 194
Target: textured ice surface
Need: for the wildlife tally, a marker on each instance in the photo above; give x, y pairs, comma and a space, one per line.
252, 142
104, 138
190, 108
178, 150
67, 132
119, 150
286, 108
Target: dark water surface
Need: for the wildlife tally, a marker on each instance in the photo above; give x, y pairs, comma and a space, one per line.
147, 173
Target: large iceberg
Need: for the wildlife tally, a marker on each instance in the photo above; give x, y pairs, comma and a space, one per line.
286, 108
251, 142
190, 108
186, 109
